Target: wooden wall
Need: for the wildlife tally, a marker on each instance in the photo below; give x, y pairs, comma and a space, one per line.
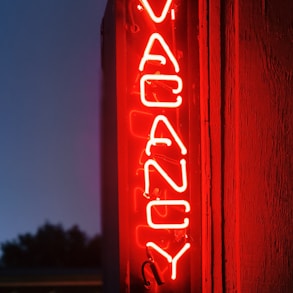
248, 102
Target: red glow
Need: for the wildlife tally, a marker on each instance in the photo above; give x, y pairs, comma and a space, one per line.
178, 188
156, 166
157, 19
153, 140
157, 57
170, 259
161, 77
172, 14
166, 203
139, 7
156, 140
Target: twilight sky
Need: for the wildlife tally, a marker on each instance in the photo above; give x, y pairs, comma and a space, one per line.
49, 114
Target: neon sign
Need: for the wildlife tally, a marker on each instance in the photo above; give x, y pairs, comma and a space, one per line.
160, 228
150, 11
148, 78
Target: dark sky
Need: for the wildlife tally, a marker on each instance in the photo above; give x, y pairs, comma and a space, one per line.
49, 114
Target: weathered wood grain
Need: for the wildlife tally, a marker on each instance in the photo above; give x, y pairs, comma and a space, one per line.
257, 128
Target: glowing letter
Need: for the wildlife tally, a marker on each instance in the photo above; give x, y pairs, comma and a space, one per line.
169, 258
151, 12
177, 188
145, 78
160, 140
172, 14
147, 56
167, 202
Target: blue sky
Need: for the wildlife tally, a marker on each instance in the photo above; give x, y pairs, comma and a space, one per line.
49, 114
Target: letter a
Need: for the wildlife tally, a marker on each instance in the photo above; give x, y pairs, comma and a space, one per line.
147, 56
161, 140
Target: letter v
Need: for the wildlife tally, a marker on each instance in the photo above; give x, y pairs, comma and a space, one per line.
157, 19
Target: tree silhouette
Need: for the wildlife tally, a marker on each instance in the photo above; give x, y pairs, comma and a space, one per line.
52, 246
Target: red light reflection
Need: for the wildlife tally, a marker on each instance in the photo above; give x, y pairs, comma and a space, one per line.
157, 169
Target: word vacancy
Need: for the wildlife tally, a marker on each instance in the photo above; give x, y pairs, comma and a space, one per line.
157, 51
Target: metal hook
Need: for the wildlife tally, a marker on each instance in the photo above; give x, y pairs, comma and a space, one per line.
154, 268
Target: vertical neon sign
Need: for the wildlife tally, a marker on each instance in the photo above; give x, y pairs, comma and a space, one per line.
158, 144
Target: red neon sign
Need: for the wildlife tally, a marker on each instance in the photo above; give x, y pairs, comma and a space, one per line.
160, 231
150, 11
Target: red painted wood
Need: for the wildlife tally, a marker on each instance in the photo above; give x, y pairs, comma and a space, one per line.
255, 148
265, 145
